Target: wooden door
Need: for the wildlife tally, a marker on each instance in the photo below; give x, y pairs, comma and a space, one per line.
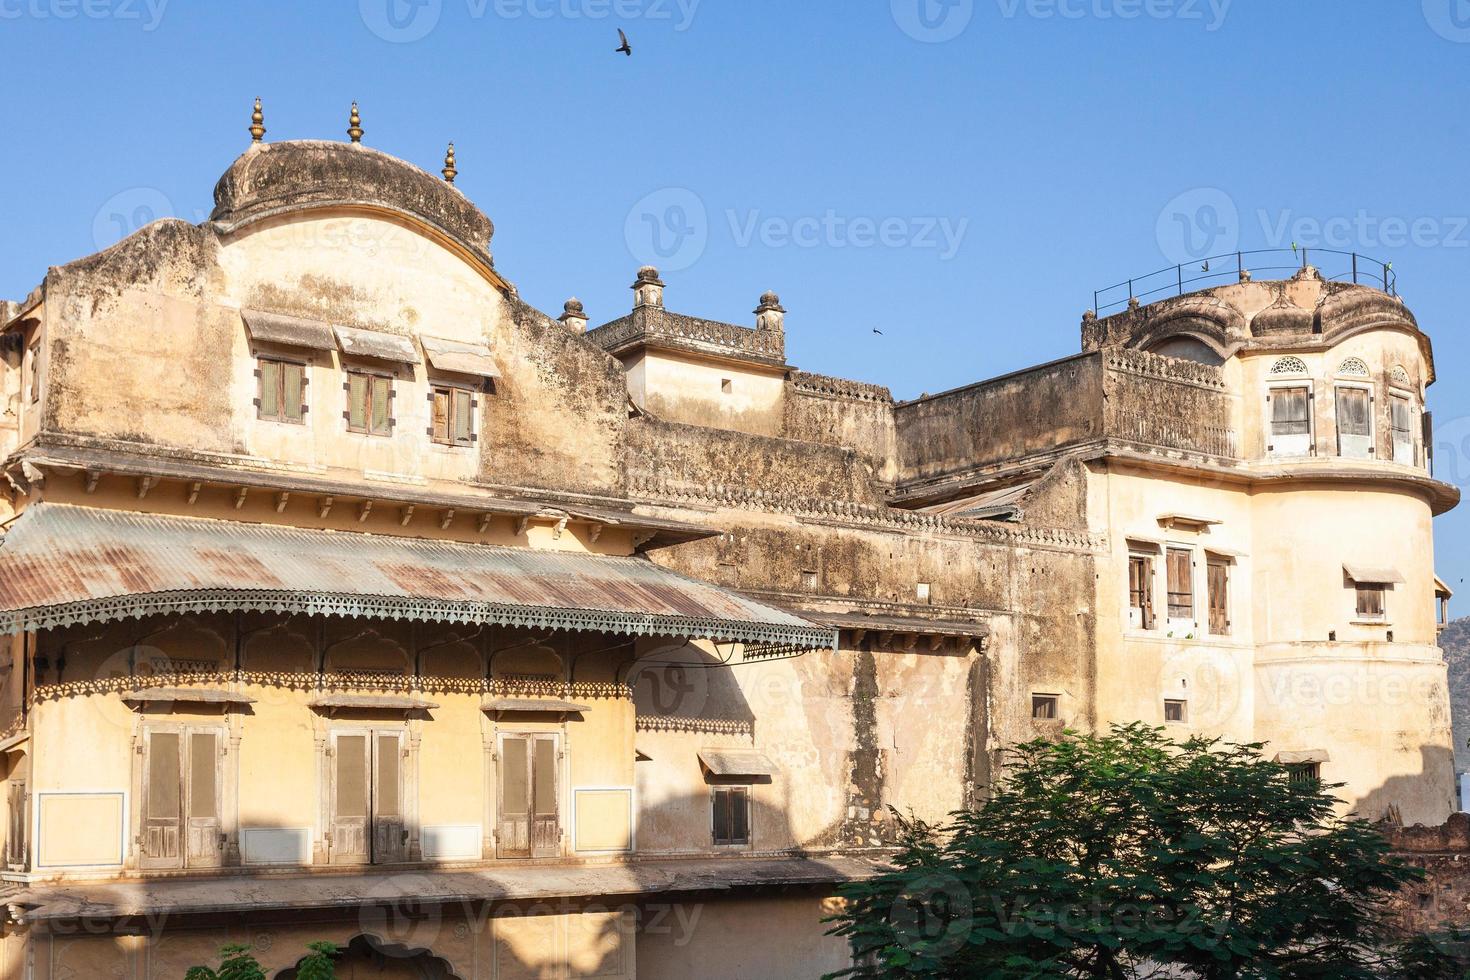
390, 834
351, 798
530, 824
1218, 574
204, 842
1354, 422
163, 804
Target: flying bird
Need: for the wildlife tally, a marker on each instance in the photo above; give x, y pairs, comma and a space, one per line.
625, 47
877, 331
1205, 267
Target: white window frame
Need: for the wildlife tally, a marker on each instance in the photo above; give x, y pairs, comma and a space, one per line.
1140, 548
1371, 444
1415, 417
1281, 382
1191, 625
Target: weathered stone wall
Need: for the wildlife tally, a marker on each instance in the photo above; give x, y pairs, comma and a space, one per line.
1442, 899
839, 412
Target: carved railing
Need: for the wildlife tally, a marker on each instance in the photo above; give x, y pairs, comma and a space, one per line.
654, 323
1169, 432
1166, 368
829, 387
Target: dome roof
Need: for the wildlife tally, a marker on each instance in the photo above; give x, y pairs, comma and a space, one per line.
278, 178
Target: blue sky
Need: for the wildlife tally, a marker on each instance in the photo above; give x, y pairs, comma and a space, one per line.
961, 174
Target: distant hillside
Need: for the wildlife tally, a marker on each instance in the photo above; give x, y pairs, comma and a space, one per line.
1455, 641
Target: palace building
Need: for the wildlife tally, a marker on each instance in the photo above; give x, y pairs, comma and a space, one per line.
345, 596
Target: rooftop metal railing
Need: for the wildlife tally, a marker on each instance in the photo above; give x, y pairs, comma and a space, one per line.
1228, 267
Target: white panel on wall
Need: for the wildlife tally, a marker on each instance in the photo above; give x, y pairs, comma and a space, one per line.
275, 845
451, 842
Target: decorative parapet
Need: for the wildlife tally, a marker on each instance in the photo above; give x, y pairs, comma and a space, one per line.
700, 726
655, 326
1165, 368
355, 682
825, 386
876, 517
1168, 432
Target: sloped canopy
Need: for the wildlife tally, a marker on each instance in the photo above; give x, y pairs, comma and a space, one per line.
293, 331
1373, 575
62, 564
459, 357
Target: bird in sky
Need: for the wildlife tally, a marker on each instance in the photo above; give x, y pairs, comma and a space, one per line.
625, 47
877, 331
1205, 267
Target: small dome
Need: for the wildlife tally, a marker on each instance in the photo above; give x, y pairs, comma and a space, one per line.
769, 298
648, 274
573, 305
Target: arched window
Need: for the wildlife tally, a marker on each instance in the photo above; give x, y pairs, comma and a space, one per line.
1353, 367
1400, 377
1289, 365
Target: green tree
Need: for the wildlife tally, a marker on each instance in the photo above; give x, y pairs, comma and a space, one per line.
236, 963
1130, 855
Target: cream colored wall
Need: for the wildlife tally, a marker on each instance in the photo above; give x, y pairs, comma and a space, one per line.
688, 389
742, 939
1379, 708
1381, 350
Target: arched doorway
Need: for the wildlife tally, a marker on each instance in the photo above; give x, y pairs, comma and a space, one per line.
365, 958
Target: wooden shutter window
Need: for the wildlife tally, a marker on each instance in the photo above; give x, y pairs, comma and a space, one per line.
1181, 583
268, 401
1290, 415
464, 417
1353, 416
732, 815
381, 414
357, 402
1370, 601
440, 408
293, 391
1141, 589
1218, 583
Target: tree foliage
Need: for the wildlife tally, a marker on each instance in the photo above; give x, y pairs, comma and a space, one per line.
1129, 855
237, 963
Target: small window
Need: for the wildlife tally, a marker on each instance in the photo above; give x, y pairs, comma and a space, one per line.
1355, 422
809, 580
1181, 584
1370, 600
281, 395
1218, 588
33, 374
453, 409
1141, 591
732, 814
1401, 428
1304, 772
1175, 710
725, 386
1045, 707
369, 403
921, 592
1291, 421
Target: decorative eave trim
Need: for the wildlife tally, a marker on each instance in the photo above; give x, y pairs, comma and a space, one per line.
412, 609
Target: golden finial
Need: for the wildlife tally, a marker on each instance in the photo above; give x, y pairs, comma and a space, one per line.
449, 171
257, 123
354, 125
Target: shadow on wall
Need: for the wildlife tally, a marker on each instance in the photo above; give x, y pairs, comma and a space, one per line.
1429, 791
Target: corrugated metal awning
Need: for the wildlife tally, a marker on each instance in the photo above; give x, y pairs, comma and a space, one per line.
1372, 574
371, 343
62, 564
460, 358
541, 705
902, 624
737, 762
293, 331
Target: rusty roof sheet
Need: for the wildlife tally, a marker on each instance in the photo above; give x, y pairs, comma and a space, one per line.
372, 343
293, 331
460, 358
62, 564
